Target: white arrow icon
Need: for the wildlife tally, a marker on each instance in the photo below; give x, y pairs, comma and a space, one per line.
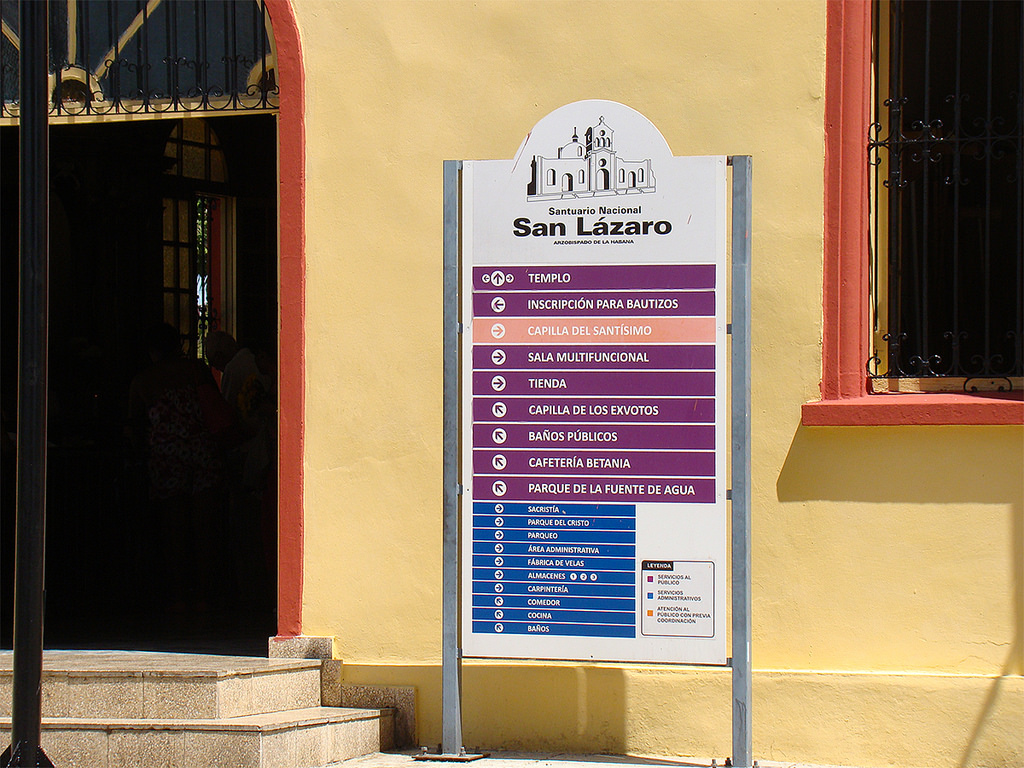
499, 614
499, 601
499, 548
499, 462
498, 304
499, 508
498, 628
499, 588
497, 279
498, 383
499, 561
499, 488
499, 435
499, 534
499, 575
498, 357
498, 331
499, 521
499, 410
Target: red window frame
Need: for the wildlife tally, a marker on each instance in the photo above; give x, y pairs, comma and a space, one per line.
845, 349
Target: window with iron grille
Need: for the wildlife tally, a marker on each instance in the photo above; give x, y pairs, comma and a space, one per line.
122, 58
947, 150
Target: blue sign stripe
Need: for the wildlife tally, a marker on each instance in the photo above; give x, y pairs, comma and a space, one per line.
484, 587
627, 564
553, 576
547, 628
506, 600
555, 523
553, 550
566, 617
586, 510
550, 537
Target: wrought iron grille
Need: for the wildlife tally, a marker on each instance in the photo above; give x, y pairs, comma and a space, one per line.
128, 57
948, 196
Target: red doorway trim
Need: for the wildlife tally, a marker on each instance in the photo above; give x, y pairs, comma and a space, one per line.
845, 349
292, 315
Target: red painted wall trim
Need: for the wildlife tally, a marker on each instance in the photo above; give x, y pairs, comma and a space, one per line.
292, 309
916, 409
845, 350
847, 114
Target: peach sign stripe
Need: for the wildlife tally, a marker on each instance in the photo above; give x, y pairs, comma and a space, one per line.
594, 330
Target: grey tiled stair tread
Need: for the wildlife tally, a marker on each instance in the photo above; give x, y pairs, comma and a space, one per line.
157, 664
266, 722
122, 685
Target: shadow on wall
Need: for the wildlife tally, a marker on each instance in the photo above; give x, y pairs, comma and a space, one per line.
536, 702
530, 706
917, 465
921, 465
565, 707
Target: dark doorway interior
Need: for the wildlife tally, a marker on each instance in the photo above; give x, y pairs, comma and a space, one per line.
115, 258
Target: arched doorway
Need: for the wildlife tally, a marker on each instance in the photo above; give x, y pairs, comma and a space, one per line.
171, 218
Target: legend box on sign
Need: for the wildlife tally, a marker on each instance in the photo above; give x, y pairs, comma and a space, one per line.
677, 598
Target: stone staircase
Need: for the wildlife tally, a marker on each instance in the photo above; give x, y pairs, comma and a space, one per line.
106, 709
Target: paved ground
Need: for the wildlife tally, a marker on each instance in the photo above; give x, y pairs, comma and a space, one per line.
534, 760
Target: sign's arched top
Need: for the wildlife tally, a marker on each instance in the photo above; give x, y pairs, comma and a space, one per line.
597, 176
632, 134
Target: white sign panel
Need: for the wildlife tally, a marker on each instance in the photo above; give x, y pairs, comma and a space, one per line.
593, 381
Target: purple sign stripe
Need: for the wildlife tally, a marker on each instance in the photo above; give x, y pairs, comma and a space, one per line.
670, 489
594, 277
547, 410
613, 463
561, 358
607, 436
654, 304
637, 383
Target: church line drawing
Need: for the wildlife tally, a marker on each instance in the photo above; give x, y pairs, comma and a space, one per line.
591, 169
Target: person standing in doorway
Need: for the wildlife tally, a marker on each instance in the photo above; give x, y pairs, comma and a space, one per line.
249, 392
183, 462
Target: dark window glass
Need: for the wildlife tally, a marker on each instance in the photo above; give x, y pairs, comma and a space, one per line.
947, 152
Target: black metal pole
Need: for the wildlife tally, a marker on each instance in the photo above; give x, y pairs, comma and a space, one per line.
26, 721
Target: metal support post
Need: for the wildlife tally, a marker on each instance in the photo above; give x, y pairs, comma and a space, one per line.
452, 748
451, 662
26, 720
742, 743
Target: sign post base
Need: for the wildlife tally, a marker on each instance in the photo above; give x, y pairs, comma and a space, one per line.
12, 757
461, 757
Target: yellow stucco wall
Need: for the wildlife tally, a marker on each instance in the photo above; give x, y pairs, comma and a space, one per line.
888, 562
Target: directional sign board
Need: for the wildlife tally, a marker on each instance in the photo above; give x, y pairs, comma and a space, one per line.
593, 386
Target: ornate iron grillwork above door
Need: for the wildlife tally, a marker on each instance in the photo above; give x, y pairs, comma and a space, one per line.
948, 193
132, 57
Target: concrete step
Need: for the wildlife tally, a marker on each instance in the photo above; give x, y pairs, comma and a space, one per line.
143, 685
301, 738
